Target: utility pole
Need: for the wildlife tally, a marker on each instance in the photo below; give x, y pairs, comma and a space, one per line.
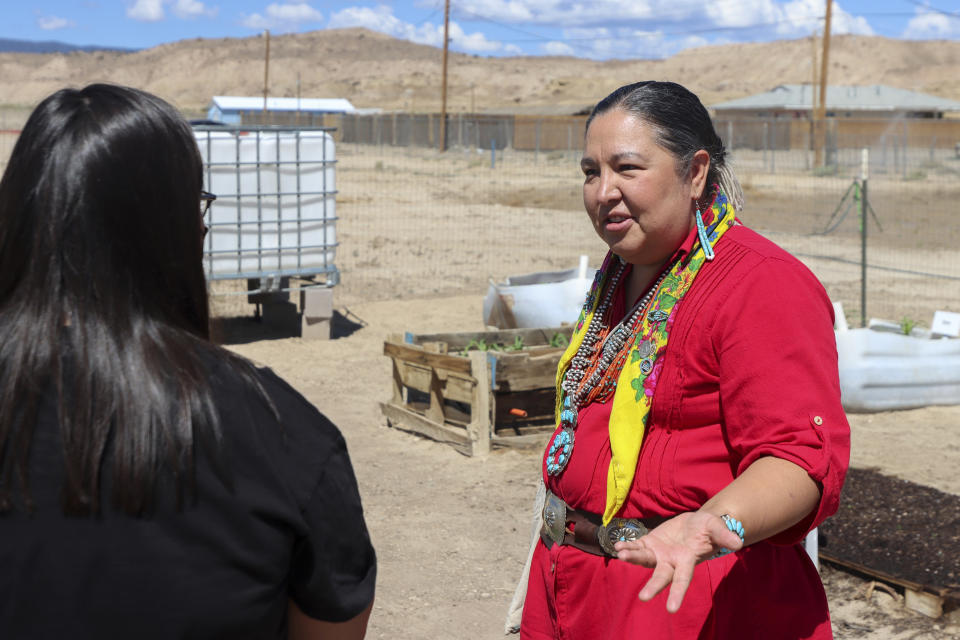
266, 74
814, 104
822, 110
443, 94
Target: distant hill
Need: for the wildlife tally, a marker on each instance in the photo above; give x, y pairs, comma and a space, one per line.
374, 70
8, 45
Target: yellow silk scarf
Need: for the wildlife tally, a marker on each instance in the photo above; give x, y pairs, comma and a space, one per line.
638, 379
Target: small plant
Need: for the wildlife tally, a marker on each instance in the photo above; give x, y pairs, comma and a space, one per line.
558, 340
378, 166
480, 345
516, 346
907, 324
915, 175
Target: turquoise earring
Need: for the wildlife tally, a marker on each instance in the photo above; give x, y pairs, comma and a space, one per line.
702, 234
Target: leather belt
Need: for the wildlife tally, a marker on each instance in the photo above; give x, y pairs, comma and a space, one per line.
586, 531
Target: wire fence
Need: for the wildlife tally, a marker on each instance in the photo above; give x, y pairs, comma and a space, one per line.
505, 199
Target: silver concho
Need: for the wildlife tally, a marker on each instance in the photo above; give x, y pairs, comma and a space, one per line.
554, 518
646, 366
646, 348
618, 530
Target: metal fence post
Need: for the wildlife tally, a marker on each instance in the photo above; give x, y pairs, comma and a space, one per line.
905, 141
766, 142
536, 156
864, 166
773, 148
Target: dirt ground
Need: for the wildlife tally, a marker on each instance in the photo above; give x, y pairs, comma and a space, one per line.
451, 531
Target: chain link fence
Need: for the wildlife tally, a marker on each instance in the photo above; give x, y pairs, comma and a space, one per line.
505, 199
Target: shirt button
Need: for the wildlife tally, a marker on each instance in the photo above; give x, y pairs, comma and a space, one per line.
817, 420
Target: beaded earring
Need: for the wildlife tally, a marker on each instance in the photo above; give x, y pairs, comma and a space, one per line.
702, 234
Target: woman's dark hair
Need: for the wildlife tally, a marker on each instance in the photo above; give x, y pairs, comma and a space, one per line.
682, 126
103, 301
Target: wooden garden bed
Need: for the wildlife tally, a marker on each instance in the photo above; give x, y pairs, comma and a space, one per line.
497, 392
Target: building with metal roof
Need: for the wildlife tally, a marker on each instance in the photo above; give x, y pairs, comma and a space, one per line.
875, 101
251, 109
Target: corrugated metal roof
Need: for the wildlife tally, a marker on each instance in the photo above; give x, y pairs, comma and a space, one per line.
245, 103
876, 97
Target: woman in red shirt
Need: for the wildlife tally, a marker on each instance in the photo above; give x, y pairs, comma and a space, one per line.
700, 431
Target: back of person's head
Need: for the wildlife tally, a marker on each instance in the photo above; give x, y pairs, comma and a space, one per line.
103, 302
681, 124
99, 212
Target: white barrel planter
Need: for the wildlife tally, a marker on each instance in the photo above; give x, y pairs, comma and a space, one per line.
544, 299
882, 371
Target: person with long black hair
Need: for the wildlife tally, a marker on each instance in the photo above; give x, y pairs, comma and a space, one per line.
152, 484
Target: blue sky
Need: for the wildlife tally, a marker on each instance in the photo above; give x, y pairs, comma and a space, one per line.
596, 29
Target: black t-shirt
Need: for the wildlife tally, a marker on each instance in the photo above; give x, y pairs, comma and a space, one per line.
222, 567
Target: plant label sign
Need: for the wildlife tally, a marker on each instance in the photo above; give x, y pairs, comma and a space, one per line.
945, 323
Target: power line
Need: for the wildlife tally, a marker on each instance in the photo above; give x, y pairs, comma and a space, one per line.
686, 31
949, 14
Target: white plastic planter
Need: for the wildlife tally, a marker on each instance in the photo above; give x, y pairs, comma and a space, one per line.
883, 371
545, 299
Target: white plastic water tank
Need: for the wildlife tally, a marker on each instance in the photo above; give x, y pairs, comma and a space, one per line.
882, 371
275, 211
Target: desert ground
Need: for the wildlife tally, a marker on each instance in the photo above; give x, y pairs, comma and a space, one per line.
452, 531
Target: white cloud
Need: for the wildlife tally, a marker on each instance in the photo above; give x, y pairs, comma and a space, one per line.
192, 9
609, 28
802, 17
382, 19
554, 48
692, 42
474, 42
573, 13
154, 10
504, 10
743, 13
51, 23
146, 10
621, 42
928, 24
285, 17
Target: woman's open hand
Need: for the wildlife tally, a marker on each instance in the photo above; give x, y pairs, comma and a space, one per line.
674, 548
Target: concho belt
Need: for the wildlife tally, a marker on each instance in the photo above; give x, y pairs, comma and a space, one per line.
588, 533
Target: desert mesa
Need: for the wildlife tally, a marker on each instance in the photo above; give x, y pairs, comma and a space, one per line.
373, 70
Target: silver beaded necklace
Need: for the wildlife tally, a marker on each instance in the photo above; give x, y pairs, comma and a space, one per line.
561, 446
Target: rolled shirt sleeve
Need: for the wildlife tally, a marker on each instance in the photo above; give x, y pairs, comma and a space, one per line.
779, 383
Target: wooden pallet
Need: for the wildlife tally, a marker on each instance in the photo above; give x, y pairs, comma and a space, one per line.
475, 399
930, 601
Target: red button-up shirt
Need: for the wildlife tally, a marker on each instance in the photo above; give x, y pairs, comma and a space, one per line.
750, 370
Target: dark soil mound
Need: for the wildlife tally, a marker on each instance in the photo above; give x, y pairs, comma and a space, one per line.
903, 529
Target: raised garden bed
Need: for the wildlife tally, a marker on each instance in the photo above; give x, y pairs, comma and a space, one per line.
900, 533
474, 390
